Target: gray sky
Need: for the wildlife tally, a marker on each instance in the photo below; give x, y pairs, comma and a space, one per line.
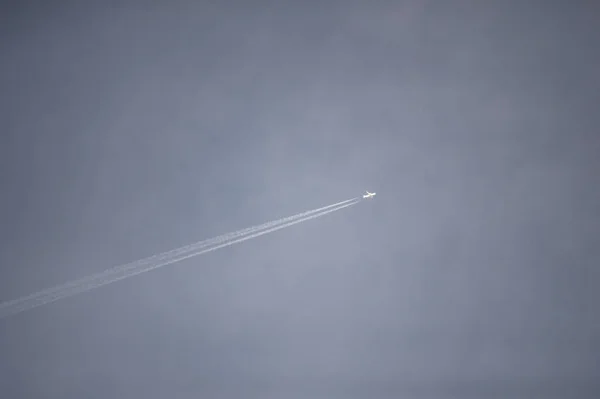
129, 130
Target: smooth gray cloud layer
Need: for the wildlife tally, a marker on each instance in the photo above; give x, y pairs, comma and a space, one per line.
130, 130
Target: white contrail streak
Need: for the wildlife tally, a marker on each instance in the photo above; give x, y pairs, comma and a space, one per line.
169, 254
144, 265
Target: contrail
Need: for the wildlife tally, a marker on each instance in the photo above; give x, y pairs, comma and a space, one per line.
169, 254
144, 265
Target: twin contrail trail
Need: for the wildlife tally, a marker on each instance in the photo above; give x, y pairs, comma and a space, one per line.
166, 258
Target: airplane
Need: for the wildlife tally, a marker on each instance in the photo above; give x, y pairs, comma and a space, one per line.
369, 195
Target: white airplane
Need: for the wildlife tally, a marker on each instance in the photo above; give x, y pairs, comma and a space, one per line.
369, 195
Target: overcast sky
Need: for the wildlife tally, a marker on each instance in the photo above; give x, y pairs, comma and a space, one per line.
129, 130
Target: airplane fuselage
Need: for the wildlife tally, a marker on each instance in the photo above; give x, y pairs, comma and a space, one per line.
369, 195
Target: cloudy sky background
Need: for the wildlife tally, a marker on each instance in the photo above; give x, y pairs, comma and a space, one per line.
129, 130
